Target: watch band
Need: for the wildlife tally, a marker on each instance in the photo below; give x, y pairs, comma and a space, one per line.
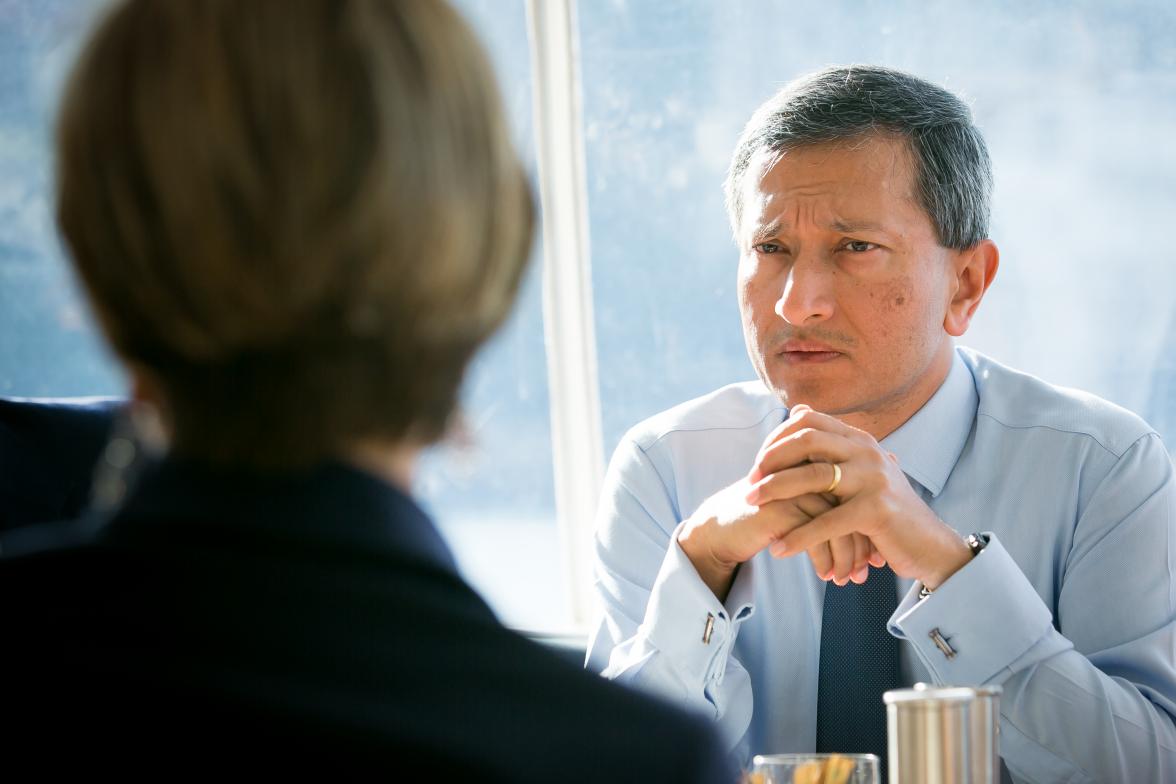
976, 542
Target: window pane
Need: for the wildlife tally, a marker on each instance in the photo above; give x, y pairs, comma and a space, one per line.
1077, 102
48, 346
495, 498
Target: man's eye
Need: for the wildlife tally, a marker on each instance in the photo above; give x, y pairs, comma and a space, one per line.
859, 246
767, 247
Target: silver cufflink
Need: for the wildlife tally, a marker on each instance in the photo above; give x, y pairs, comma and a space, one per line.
941, 643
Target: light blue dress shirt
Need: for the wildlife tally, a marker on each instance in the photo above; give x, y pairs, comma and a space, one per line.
1071, 608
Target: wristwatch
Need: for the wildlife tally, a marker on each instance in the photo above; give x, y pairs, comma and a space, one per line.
975, 542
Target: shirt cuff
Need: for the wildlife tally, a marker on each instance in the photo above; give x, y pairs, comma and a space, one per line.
977, 623
685, 620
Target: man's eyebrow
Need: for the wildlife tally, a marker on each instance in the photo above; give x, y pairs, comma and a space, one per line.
766, 232
850, 226
842, 225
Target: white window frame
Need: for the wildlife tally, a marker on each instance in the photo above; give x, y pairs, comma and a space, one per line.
569, 327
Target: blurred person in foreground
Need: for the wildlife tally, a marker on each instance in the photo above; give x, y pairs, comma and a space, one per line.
296, 221
882, 507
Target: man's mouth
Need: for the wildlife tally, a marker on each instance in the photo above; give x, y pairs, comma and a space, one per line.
807, 352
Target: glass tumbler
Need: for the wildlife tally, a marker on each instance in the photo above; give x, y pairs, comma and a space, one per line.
814, 769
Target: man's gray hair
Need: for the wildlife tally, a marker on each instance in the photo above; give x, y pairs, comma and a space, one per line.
953, 174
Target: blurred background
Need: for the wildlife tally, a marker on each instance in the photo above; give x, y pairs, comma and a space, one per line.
1077, 102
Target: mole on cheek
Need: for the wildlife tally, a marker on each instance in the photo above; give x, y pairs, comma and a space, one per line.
899, 293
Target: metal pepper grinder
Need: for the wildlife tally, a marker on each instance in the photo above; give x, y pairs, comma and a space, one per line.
943, 735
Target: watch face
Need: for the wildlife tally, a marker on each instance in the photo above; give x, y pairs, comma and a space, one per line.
975, 542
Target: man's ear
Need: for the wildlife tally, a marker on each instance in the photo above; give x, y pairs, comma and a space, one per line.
974, 271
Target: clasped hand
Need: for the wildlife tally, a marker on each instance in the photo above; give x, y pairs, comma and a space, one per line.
789, 503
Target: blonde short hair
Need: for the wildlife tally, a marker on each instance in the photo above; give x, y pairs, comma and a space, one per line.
301, 217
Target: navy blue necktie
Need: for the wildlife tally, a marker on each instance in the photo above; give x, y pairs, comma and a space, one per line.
859, 661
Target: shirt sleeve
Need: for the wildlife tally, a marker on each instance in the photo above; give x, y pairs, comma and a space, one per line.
1089, 688
661, 629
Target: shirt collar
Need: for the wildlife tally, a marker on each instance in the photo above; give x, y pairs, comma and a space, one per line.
929, 444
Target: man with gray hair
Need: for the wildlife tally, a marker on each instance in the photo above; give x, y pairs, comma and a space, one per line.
882, 507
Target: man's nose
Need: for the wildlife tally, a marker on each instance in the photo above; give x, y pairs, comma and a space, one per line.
807, 296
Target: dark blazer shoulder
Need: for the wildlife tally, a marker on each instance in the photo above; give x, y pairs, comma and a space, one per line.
209, 633
48, 451
559, 712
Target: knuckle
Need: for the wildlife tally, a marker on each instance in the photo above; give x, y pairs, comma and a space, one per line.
875, 460
862, 437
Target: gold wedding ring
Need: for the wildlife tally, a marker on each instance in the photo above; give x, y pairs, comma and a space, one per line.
836, 478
